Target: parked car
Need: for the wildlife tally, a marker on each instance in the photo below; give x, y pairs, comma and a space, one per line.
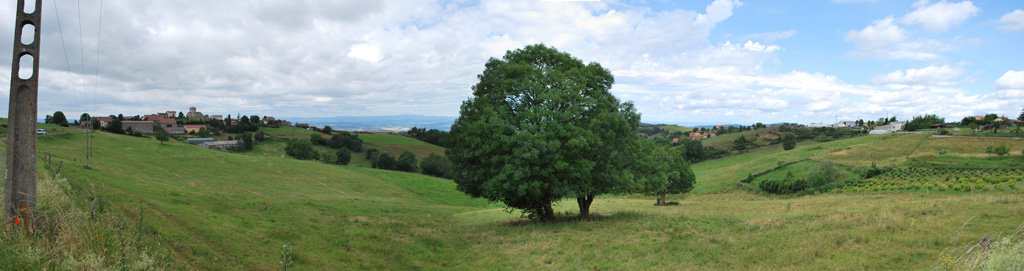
40, 131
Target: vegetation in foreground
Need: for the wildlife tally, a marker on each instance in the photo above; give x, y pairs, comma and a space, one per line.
204, 210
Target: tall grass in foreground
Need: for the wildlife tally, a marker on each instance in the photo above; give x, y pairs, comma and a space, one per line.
68, 239
1006, 253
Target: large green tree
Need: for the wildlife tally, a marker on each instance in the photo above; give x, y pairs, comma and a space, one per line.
543, 126
60, 119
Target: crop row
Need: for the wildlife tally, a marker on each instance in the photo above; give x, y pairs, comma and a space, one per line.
1002, 183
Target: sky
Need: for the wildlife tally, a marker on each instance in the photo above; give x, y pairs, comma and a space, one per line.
681, 62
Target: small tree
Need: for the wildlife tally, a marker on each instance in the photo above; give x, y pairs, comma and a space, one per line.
437, 166
260, 136
317, 139
344, 156
203, 132
246, 140
694, 150
96, 124
301, 149
384, 161
788, 141
162, 135
740, 144
407, 162
115, 127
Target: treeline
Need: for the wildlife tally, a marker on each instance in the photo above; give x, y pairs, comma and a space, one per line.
788, 135
346, 144
432, 136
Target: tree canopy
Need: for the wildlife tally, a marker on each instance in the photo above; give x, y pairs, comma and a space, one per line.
542, 126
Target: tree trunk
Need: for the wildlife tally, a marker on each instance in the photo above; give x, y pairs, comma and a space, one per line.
547, 213
661, 198
584, 203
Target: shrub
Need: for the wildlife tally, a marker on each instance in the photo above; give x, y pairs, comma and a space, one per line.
344, 156
384, 161
437, 166
787, 185
317, 139
788, 141
407, 162
822, 174
301, 149
749, 179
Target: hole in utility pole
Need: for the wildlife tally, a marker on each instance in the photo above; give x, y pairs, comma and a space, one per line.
30, 6
25, 67
28, 34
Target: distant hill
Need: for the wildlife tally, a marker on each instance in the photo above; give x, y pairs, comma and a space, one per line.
394, 123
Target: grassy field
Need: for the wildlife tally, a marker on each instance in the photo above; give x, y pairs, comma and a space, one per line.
223, 211
393, 145
287, 131
211, 210
723, 173
675, 128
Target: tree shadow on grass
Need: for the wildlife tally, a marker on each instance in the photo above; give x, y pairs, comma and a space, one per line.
571, 217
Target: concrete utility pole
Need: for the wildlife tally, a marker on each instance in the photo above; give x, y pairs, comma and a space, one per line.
20, 182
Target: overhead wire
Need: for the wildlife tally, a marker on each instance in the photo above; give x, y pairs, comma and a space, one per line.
81, 52
96, 74
66, 59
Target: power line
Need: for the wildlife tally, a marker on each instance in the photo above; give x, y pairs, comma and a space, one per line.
99, 32
81, 52
66, 60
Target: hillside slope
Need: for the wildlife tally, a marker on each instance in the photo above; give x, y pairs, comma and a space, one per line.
224, 211
213, 210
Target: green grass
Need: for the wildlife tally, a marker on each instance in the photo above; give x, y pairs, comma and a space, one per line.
213, 210
716, 175
675, 128
287, 131
220, 211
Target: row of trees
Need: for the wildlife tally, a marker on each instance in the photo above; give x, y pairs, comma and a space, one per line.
432, 136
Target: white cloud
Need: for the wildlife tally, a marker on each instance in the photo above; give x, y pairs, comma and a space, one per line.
940, 16
365, 52
1010, 80
757, 47
1012, 21
931, 75
771, 36
884, 39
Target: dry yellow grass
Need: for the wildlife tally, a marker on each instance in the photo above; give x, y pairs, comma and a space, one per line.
888, 150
